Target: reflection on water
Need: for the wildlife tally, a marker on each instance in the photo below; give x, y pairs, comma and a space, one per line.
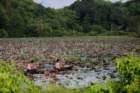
78, 77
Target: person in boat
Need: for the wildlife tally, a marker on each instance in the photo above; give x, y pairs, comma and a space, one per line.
31, 68
59, 65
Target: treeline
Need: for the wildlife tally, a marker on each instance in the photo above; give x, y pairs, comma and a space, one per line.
24, 18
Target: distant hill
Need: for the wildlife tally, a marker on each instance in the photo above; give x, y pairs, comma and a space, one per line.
24, 18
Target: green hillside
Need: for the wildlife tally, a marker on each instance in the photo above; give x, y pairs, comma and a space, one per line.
24, 18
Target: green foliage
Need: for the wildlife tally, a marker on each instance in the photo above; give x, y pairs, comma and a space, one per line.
84, 17
129, 68
134, 16
108, 87
13, 81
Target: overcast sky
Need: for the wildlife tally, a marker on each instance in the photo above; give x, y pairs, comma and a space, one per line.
58, 3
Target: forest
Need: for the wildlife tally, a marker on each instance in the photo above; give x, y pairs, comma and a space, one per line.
24, 18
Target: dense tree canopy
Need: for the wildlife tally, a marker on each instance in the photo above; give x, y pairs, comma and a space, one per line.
24, 18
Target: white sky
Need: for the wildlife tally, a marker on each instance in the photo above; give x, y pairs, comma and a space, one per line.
59, 3
55, 3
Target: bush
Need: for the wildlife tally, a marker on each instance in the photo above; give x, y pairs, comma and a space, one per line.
13, 81
108, 87
129, 68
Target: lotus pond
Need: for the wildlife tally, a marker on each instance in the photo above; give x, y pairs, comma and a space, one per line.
92, 58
